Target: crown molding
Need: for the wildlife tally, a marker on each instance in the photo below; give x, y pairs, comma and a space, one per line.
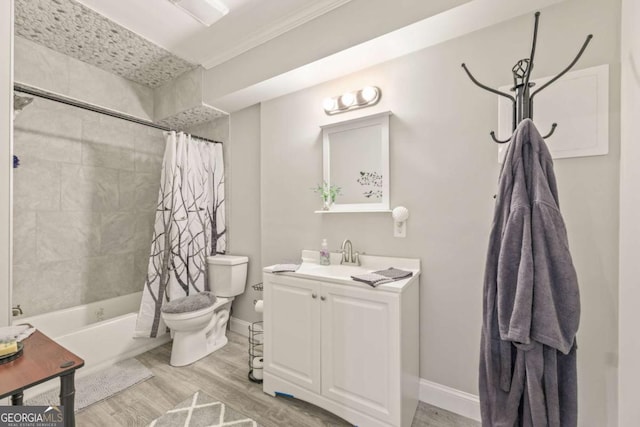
263, 35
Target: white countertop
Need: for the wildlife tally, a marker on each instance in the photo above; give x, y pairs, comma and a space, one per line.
310, 268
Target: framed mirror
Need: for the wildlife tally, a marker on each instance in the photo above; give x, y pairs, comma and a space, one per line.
356, 159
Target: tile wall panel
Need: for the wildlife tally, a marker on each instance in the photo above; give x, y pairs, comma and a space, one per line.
84, 206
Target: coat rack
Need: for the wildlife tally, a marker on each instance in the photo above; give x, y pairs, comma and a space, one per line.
523, 101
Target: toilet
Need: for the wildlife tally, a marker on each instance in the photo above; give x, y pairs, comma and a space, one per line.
198, 322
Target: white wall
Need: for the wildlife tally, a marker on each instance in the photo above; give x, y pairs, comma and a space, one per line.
629, 217
443, 168
6, 137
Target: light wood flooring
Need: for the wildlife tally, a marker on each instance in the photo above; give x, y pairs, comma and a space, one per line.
223, 375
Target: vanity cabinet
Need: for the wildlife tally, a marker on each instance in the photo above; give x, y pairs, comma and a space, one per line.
350, 349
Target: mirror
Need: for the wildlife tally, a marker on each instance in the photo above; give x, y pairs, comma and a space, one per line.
356, 159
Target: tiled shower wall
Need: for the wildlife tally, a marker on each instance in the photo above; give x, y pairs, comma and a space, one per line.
84, 194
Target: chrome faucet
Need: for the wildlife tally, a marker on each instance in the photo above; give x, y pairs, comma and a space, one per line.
16, 311
348, 256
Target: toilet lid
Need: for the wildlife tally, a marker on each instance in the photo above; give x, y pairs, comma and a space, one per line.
190, 303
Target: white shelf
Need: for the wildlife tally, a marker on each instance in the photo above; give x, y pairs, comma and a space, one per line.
356, 211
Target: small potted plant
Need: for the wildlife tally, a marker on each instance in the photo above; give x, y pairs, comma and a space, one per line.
328, 194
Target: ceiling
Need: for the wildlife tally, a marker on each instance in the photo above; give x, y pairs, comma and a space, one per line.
248, 24
153, 41
226, 93
262, 48
70, 28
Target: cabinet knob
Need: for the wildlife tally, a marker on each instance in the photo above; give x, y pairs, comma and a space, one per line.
314, 295
322, 298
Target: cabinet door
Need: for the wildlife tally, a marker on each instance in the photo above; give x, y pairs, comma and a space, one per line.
360, 350
292, 330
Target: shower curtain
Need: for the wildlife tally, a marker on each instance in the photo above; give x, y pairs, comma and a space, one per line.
189, 227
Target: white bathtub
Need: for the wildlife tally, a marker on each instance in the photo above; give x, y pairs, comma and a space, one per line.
100, 332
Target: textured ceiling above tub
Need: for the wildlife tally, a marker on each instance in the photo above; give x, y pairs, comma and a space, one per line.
192, 116
77, 31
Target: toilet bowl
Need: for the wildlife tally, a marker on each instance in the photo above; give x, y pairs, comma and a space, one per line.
198, 333
198, 323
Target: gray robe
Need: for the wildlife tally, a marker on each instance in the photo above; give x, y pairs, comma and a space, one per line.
531, 306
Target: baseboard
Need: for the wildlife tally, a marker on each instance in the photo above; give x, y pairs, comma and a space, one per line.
239, 326
459, 402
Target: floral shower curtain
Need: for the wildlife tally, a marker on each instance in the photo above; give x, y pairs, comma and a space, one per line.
189, 226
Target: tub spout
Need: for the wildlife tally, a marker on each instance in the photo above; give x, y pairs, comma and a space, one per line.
16, 311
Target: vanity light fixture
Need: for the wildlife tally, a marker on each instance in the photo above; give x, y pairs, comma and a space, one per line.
366, 97
205, 11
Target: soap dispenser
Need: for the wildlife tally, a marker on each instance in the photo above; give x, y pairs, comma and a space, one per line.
324, 253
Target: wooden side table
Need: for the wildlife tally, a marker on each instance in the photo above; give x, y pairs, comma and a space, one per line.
42, 360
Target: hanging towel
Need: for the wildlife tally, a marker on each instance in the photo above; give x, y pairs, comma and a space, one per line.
531, 303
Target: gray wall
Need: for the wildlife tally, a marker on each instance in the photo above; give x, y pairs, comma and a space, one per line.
444, 169
86, 189
244, 203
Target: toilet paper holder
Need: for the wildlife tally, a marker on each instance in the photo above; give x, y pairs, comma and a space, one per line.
256, 352
257, 287
256, 345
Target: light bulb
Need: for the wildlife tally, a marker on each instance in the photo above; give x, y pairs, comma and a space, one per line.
348, 99
369, 93
329, 104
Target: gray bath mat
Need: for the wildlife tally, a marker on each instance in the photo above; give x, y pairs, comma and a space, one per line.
202, 410
99, 385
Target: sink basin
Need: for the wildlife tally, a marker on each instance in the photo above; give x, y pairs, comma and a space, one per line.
334, 270
341, 273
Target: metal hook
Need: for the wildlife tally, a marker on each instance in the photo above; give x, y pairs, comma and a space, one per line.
497, 92
485, 87
553, 129
523, 101
563, 72
533, 48
493, 135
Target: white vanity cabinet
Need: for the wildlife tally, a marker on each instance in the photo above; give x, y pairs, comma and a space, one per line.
348, 348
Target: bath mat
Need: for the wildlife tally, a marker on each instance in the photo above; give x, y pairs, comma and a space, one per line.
202, 410
99, 385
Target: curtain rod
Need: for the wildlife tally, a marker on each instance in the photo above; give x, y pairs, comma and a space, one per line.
30, 90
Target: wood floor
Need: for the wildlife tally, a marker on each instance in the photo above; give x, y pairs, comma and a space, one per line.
222, 375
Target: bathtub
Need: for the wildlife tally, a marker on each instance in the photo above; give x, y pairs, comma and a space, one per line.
100, 332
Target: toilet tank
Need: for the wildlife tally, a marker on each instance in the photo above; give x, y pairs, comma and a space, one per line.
227, 274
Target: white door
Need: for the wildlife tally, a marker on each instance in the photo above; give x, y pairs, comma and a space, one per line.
360, 350
292, 330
